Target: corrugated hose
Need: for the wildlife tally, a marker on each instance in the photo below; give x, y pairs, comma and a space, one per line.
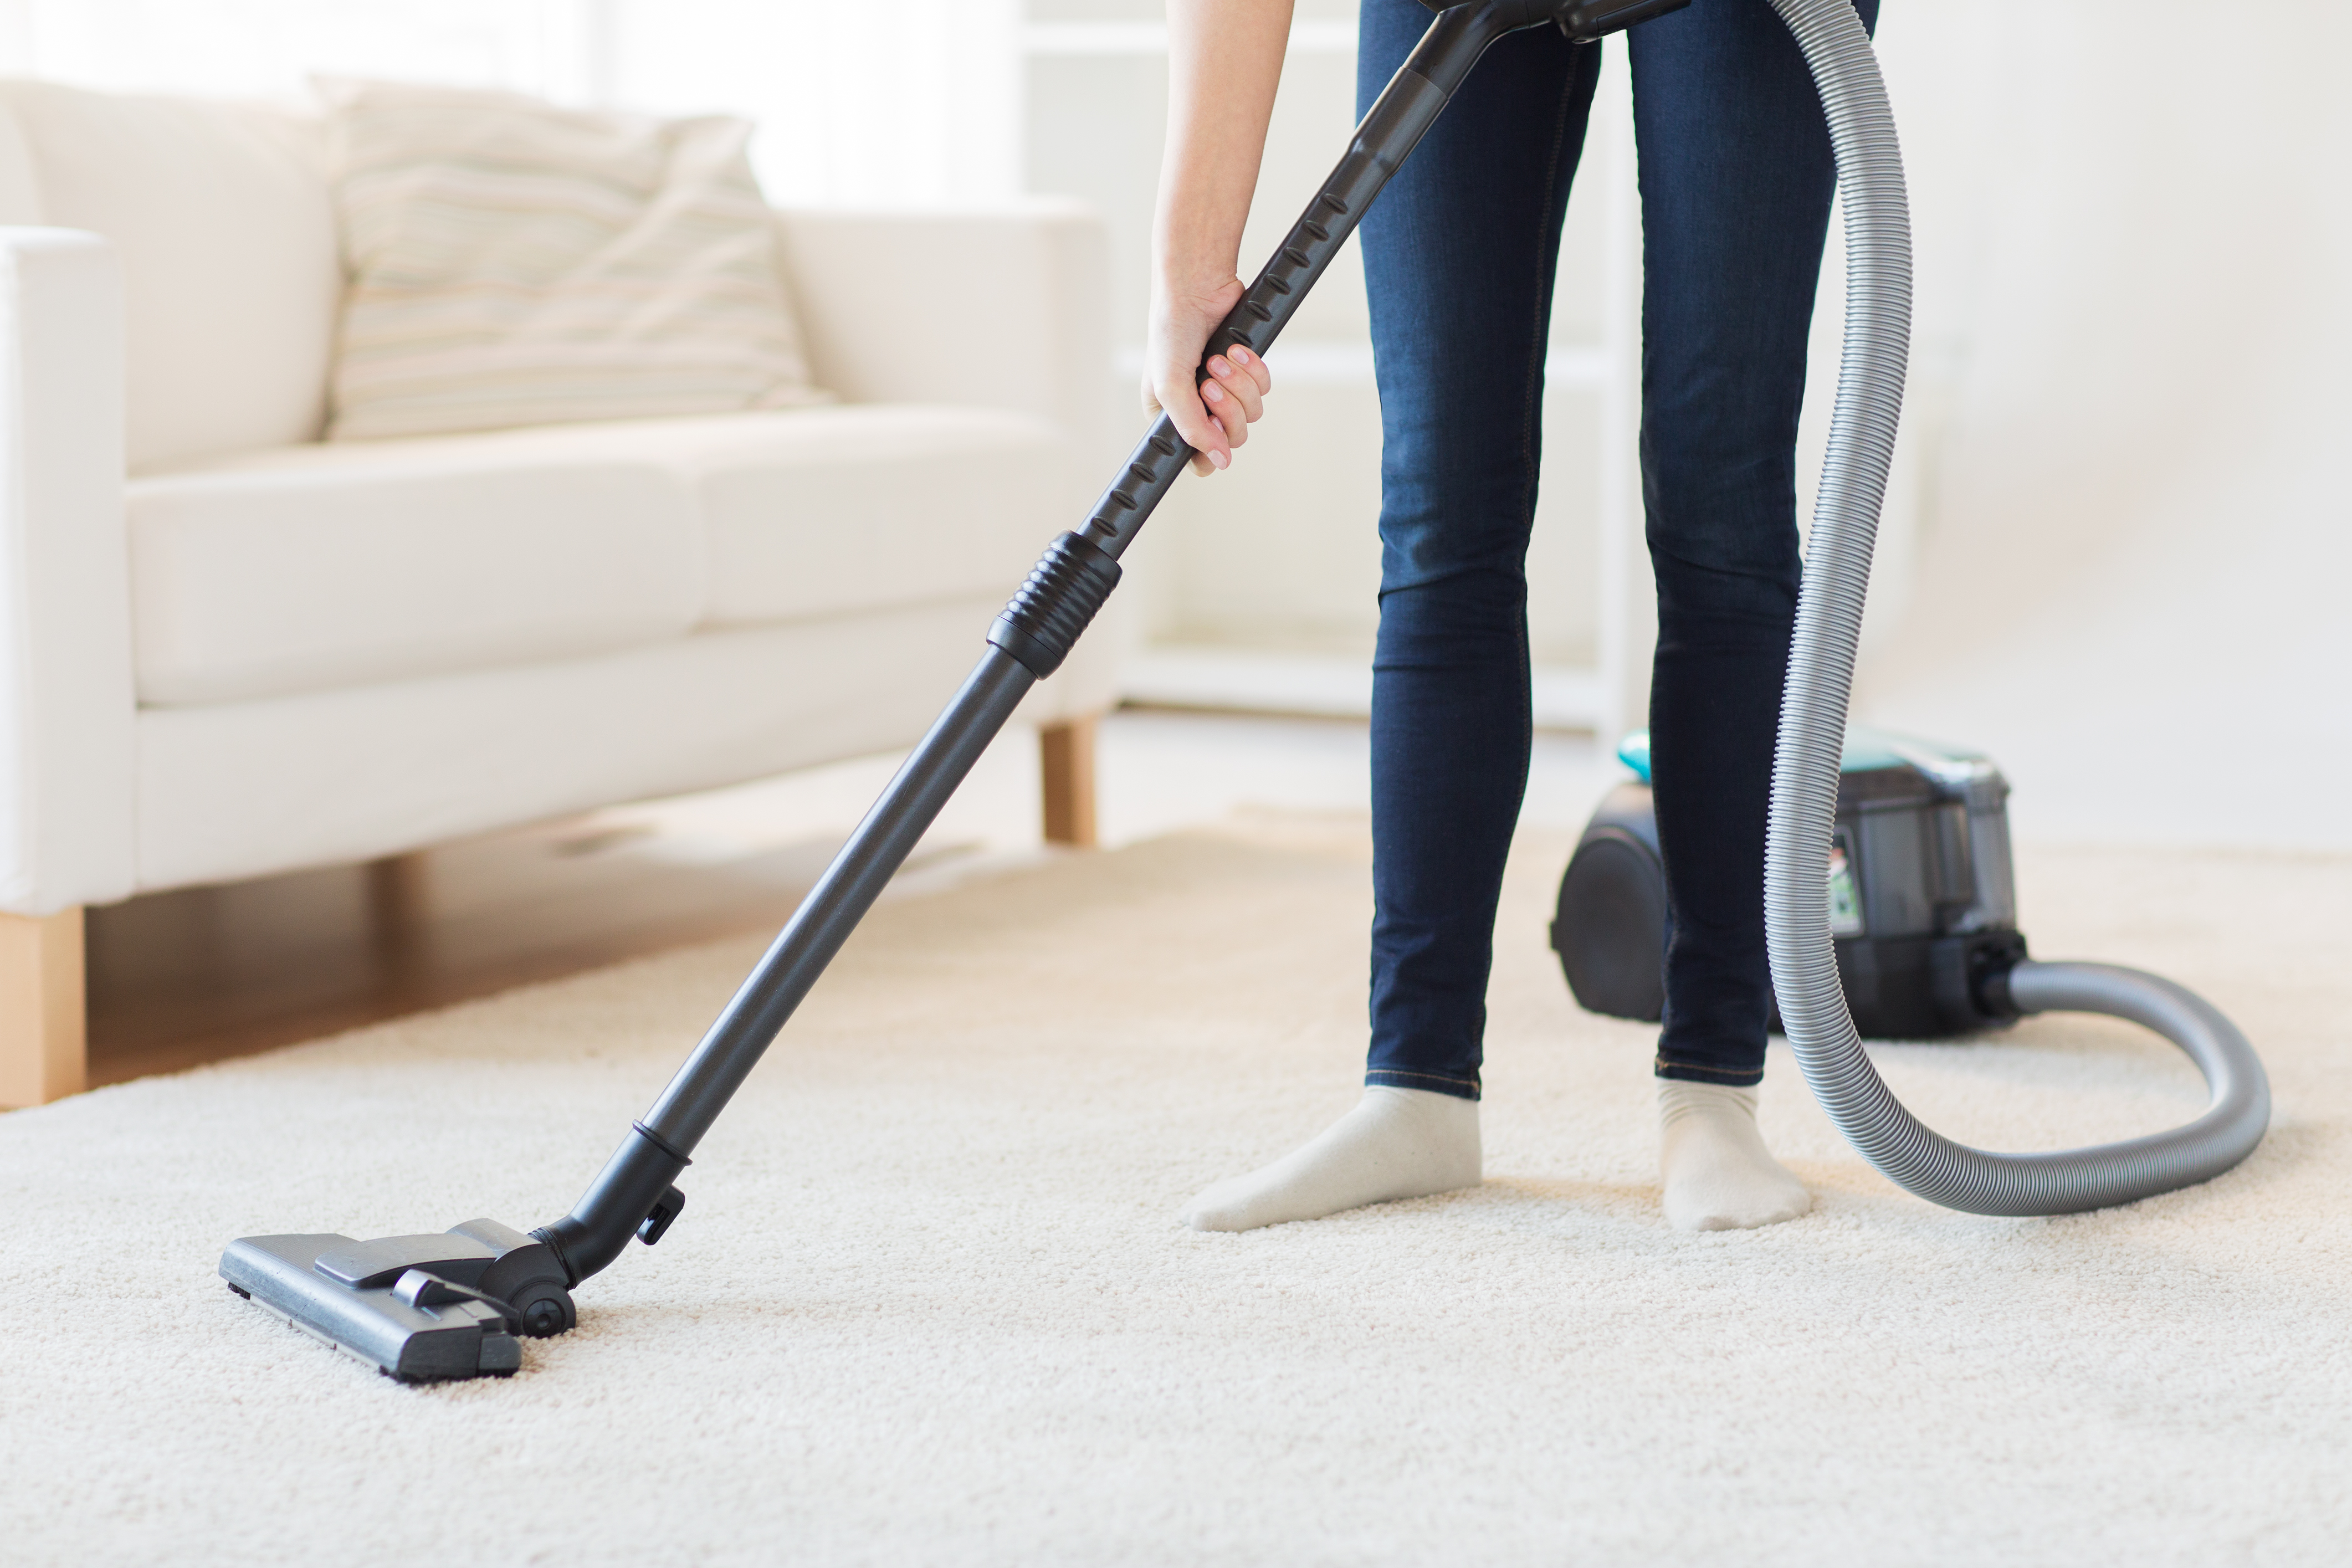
1805, 766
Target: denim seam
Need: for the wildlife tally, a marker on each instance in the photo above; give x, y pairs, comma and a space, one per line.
1470, 1083
1531, 396
1737, 1077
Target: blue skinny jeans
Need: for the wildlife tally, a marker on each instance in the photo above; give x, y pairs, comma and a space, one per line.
1459, 254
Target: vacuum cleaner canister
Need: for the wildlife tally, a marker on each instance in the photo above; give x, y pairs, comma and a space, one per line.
1923, 904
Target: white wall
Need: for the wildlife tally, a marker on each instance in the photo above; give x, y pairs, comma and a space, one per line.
857, 102
2134, 238
268, 48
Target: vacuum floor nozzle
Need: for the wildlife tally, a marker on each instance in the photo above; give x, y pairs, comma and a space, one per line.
421, 1309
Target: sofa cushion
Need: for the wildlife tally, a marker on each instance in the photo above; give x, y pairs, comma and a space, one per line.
826, 511
320, 565
220, 214
310, 567
513, 263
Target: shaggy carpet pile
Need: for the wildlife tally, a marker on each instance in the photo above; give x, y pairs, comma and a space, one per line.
929, 1303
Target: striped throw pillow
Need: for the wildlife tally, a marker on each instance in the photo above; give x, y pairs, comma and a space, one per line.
513, 263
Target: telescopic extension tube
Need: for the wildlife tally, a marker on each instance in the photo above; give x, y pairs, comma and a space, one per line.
634, 1195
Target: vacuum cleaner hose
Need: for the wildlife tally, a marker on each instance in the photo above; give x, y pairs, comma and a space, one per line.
1812, 733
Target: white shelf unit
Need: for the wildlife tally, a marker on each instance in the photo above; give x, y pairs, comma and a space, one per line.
1293, 632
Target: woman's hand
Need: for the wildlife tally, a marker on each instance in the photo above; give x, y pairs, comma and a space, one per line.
1213, 416
1224, 60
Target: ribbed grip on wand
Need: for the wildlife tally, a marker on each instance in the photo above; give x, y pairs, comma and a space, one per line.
1053, 606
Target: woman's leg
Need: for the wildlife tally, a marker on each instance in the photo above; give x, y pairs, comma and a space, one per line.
1736, 177
1459, 254
1459, 258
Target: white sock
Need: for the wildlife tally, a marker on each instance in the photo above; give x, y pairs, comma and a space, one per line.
1396, 1143
1719, 1175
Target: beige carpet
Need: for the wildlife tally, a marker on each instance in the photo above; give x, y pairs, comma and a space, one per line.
928, 1304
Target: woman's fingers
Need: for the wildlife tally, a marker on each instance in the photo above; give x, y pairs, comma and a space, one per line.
1226, 414
1178, 329
1216, 419
1232, 388
1260, 378
1213, 406
1212, 403
1234, 391
1180, 400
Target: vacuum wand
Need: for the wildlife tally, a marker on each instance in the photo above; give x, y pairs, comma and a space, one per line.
452, 1305
1030, 640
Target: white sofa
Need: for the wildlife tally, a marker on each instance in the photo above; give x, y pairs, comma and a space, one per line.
231, 650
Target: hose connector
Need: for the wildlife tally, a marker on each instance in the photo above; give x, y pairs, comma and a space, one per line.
1991, 962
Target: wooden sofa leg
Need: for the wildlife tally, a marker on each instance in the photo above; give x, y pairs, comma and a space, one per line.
1067, 752
399, 893
43, 1030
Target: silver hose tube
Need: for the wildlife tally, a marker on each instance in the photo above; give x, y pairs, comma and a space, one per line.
1812, 731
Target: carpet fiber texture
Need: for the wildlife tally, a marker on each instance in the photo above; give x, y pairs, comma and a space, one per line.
929, 1303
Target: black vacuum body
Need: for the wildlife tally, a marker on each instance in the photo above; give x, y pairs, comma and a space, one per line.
1922, 902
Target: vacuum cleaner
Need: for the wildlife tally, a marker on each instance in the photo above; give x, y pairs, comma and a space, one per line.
1922, 895
457, 1304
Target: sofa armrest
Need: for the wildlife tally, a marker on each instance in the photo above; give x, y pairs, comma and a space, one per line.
1003, 308
68, 706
